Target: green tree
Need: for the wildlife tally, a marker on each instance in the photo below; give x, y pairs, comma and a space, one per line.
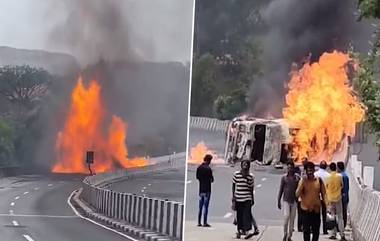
6, 143
369, 8
203, 89
367, 79
23, 87
226, 31
227, 107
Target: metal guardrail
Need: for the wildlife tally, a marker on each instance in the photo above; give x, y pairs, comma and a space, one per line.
161, 216
210, 124
364, 207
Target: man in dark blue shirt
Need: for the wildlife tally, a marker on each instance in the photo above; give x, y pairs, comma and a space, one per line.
205, 178
345, 190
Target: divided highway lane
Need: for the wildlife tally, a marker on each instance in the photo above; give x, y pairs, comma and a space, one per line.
267, 182
168, 184
35, 208
266, 187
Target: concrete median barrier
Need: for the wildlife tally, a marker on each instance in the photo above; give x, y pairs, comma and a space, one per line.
210, 124
156, 218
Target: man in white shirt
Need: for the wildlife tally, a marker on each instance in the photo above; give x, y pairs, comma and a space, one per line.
324, 175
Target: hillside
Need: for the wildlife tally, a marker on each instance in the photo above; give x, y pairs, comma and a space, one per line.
55, 63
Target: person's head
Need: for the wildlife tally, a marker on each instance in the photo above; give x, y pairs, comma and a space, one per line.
323, 165
207, 159
340, 166
290, 167
245, 165
333, 166
310, 168
304, 162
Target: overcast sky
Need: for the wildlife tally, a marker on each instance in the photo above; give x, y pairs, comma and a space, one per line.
157, 30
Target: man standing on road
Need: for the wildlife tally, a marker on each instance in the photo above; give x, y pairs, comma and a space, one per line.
242, 196
324, 175
345, 191
334, 187
205, 178
311, 190
287, 191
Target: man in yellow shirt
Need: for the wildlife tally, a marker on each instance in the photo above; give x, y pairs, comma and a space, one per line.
311, 190
334, 186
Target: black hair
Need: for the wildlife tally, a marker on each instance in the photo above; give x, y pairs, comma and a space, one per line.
309, 165
323, 165
247, 161
290, 163
333, 166
207, 158
340, 166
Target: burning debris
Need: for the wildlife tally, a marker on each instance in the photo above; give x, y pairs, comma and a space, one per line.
199, 151
321, 112
321, 104
85, 130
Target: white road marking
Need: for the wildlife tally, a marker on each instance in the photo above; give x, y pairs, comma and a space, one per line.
188, 182
259, 185
36, 188
227, 215
149, 184
11, 212
50, 185
263, 179
26, 193
17, 197
27, 237
96, 223
144, 188
12, 204
15, 223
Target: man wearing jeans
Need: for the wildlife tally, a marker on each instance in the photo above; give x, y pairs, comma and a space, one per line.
324, 175
334, 188
345, 191
311, 190
287, 191
205, 178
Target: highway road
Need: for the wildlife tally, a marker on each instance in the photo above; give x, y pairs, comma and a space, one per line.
267, 180
35, 208
168, 184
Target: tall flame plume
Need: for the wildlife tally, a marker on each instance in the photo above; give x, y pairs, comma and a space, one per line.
84, 130
321, 104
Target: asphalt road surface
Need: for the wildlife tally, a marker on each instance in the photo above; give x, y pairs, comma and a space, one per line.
267, 180
169, 184
35, 208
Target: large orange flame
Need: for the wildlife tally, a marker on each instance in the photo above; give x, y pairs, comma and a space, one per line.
198, 152
321, 104
83, 131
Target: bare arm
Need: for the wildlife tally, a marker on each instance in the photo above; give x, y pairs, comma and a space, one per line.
323, 192
280, 192
233, 188
300, 188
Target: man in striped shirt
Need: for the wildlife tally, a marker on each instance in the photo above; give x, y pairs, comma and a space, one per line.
242, 195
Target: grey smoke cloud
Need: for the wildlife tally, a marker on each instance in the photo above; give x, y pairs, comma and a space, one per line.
295, 29
150, 30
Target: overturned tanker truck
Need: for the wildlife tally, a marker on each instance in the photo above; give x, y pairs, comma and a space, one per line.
267, 141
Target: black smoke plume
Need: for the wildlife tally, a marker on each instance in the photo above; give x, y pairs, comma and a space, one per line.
295, 30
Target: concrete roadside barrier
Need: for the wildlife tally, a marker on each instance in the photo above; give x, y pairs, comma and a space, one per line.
364, 205
155, 218
210, 124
